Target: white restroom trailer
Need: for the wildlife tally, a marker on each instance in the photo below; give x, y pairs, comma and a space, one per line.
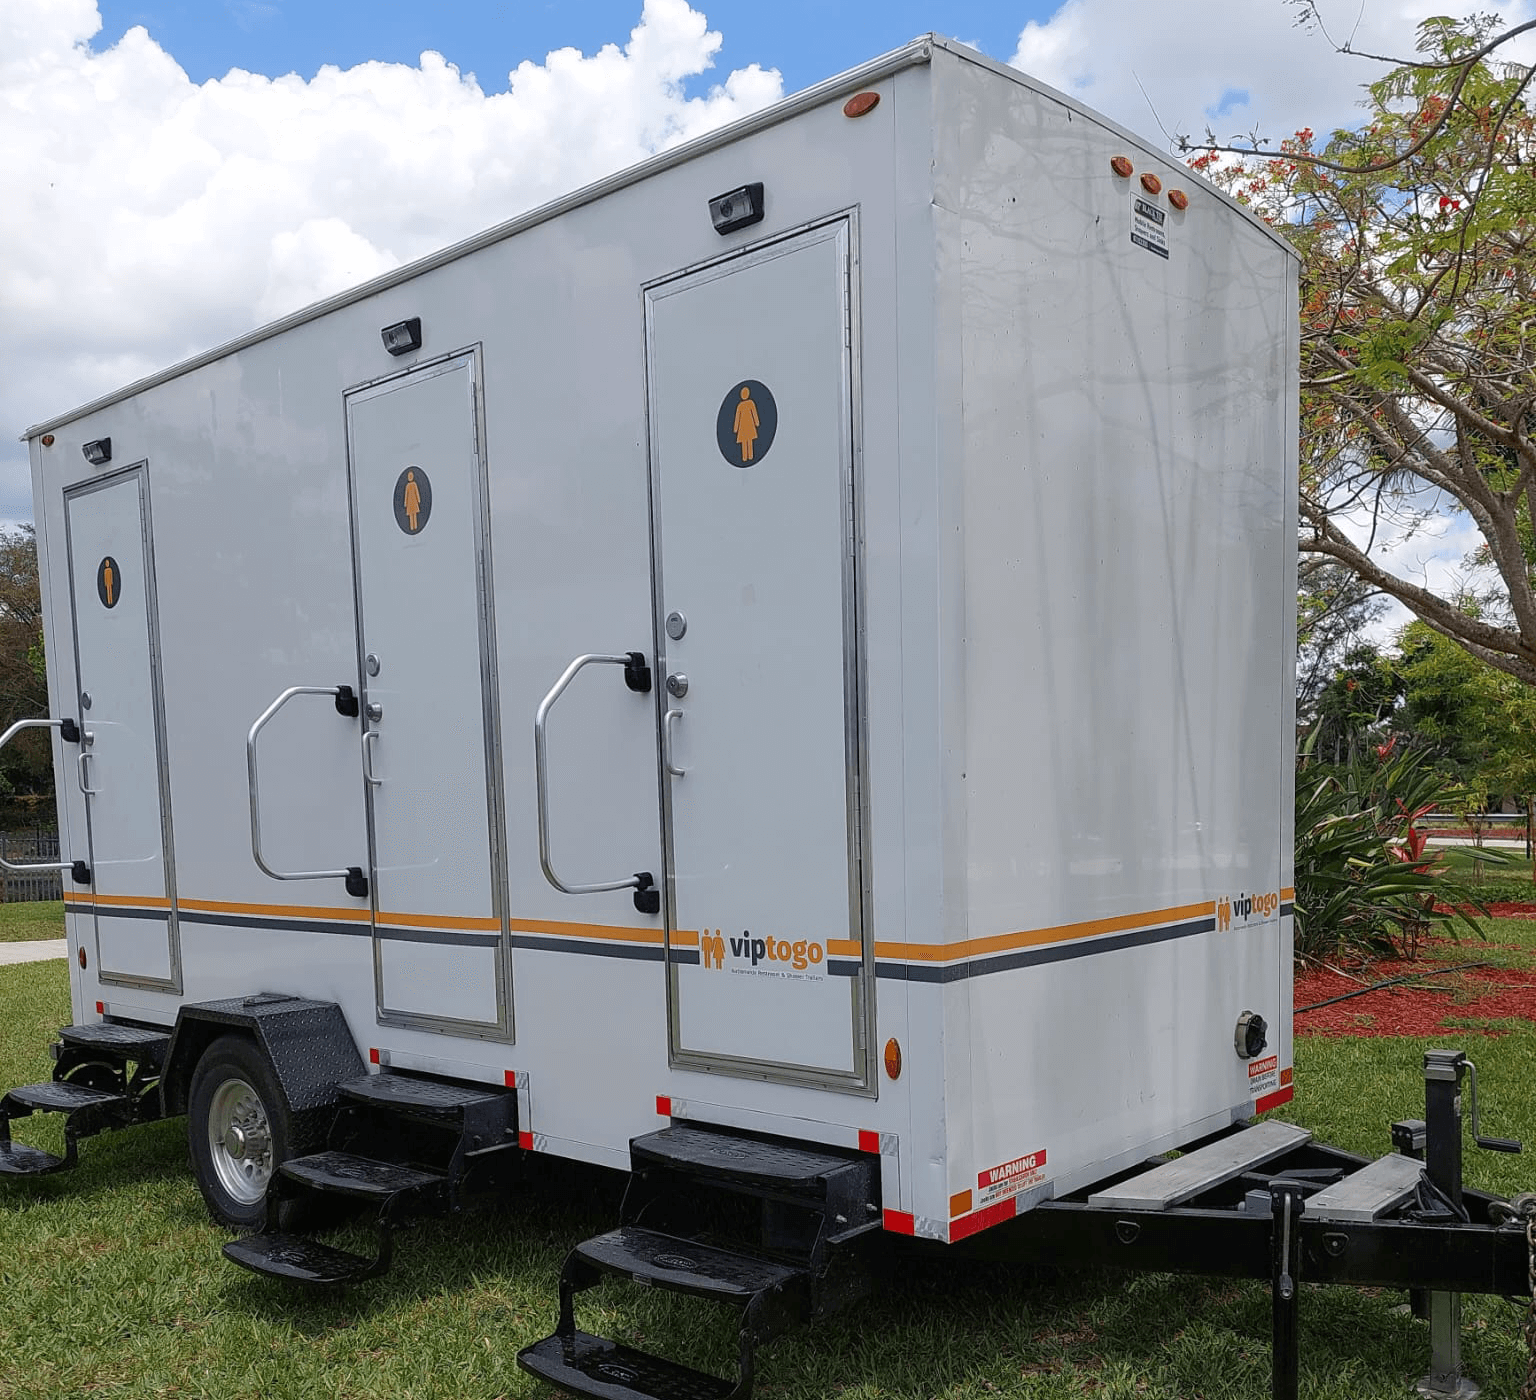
928, 543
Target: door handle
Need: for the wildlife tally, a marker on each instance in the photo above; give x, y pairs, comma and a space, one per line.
666, 741
368, 760
80, 761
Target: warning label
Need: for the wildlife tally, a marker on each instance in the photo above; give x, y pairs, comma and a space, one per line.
1263, 1075
998, 1183
1147, 227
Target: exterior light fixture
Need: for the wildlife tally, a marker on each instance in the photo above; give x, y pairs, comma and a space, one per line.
402, 337
99, 452
737, 208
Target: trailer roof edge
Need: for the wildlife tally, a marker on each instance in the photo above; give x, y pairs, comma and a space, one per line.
911, 55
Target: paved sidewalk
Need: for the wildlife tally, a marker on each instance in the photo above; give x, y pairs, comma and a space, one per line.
33, 952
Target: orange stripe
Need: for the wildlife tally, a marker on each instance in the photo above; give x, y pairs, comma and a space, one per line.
439, 921
1031, 938
283, 911
844, 948
1288, 894
124, 901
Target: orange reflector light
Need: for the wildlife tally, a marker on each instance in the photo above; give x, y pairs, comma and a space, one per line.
860, 103
1122, 167
82, 957
1151, 184
47, 439
893, 1058
1178, 199
959, 1204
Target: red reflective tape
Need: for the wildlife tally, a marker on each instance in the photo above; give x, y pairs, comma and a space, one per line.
510, 1078
1274, 1100
373, 1057
899, 1222
983, 1218
525, 1141
663, 1105
869, 1142
101, 1008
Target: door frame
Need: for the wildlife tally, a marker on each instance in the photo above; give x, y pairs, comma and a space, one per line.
138, 471
490, 697
842, 225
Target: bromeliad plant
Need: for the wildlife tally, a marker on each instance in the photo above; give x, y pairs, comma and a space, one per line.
1365, 884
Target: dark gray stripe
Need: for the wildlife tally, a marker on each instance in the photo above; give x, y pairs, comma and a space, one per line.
114, 911
446, 936
195, 916
1034, 957
838, 968
1287, 908
634, 952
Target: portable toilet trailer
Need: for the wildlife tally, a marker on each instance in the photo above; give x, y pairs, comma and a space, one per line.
791, 644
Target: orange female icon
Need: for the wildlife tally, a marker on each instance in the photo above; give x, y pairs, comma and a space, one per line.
746, 423
413, 500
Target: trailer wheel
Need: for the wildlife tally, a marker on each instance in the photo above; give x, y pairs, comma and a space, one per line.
238, 1130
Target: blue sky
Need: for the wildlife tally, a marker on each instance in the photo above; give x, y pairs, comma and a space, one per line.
806, 40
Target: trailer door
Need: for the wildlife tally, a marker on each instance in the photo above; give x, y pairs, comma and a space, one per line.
754, 505
120, 767
419, 504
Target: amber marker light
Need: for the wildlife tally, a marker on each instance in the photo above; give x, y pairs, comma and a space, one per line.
47, 439
893, 1058
1151, 184
1122, 167
1178, 199
82, 964
860, 103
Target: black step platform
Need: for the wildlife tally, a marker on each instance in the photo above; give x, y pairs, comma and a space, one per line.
428, 1099
55, 1096
123, 1042
349, 1175
586, 1365
17, 1159
300, 1259
725, 1159
686, 1266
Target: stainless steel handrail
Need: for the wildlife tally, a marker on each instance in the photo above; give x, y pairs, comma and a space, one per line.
6, 738
250, 763
541, 778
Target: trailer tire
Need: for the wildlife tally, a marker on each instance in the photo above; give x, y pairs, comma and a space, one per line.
239, 1130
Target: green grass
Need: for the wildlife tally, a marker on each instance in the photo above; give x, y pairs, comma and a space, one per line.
113, 1284
24, 923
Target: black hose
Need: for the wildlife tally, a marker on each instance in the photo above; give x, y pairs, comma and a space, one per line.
1393, 982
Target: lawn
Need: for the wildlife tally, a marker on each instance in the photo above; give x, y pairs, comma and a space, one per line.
24, 923
114, 1285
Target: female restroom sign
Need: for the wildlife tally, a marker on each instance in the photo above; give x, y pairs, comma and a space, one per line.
746, 424
413, 500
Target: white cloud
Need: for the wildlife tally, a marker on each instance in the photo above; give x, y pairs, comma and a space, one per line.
1247, 60
147, 217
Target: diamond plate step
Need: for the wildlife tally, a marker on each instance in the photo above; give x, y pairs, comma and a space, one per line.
591, 1366
727, 1159
126, 1042
349, 1175
17, 1159
683, 1266
422, 1098
299, 1259
55, 1096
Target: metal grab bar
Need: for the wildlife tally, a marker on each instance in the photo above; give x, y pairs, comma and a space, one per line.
666, 742
633, 664
357, 883
65, 727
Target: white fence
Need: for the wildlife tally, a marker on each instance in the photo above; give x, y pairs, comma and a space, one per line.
26, 847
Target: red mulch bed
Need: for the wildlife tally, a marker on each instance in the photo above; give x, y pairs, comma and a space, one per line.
1417, 1008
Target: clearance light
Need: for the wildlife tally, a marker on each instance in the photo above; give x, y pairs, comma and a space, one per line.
99, 452
1122, 167
860, 103
1151, 184
893, 1058
1178, 199
47, 439
402, 337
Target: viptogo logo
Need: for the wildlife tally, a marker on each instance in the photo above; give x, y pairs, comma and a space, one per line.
1244, 908
749, 953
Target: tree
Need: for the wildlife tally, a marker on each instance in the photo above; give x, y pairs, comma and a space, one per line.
26, 765
1418, 345
1355, 705
1334, 607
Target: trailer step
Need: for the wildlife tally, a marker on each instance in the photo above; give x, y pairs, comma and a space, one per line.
427, 1099
349, 1175
747, 1164
1186, 1177
299, 1259
592, 1366
123, 1042
1369, 1193
54, 1096
17, 1159
686, 1266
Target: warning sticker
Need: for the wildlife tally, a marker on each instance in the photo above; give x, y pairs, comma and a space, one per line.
1263, 1075
998, 1183
1147, 227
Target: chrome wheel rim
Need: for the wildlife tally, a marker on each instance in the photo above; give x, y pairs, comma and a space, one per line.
240, 1141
